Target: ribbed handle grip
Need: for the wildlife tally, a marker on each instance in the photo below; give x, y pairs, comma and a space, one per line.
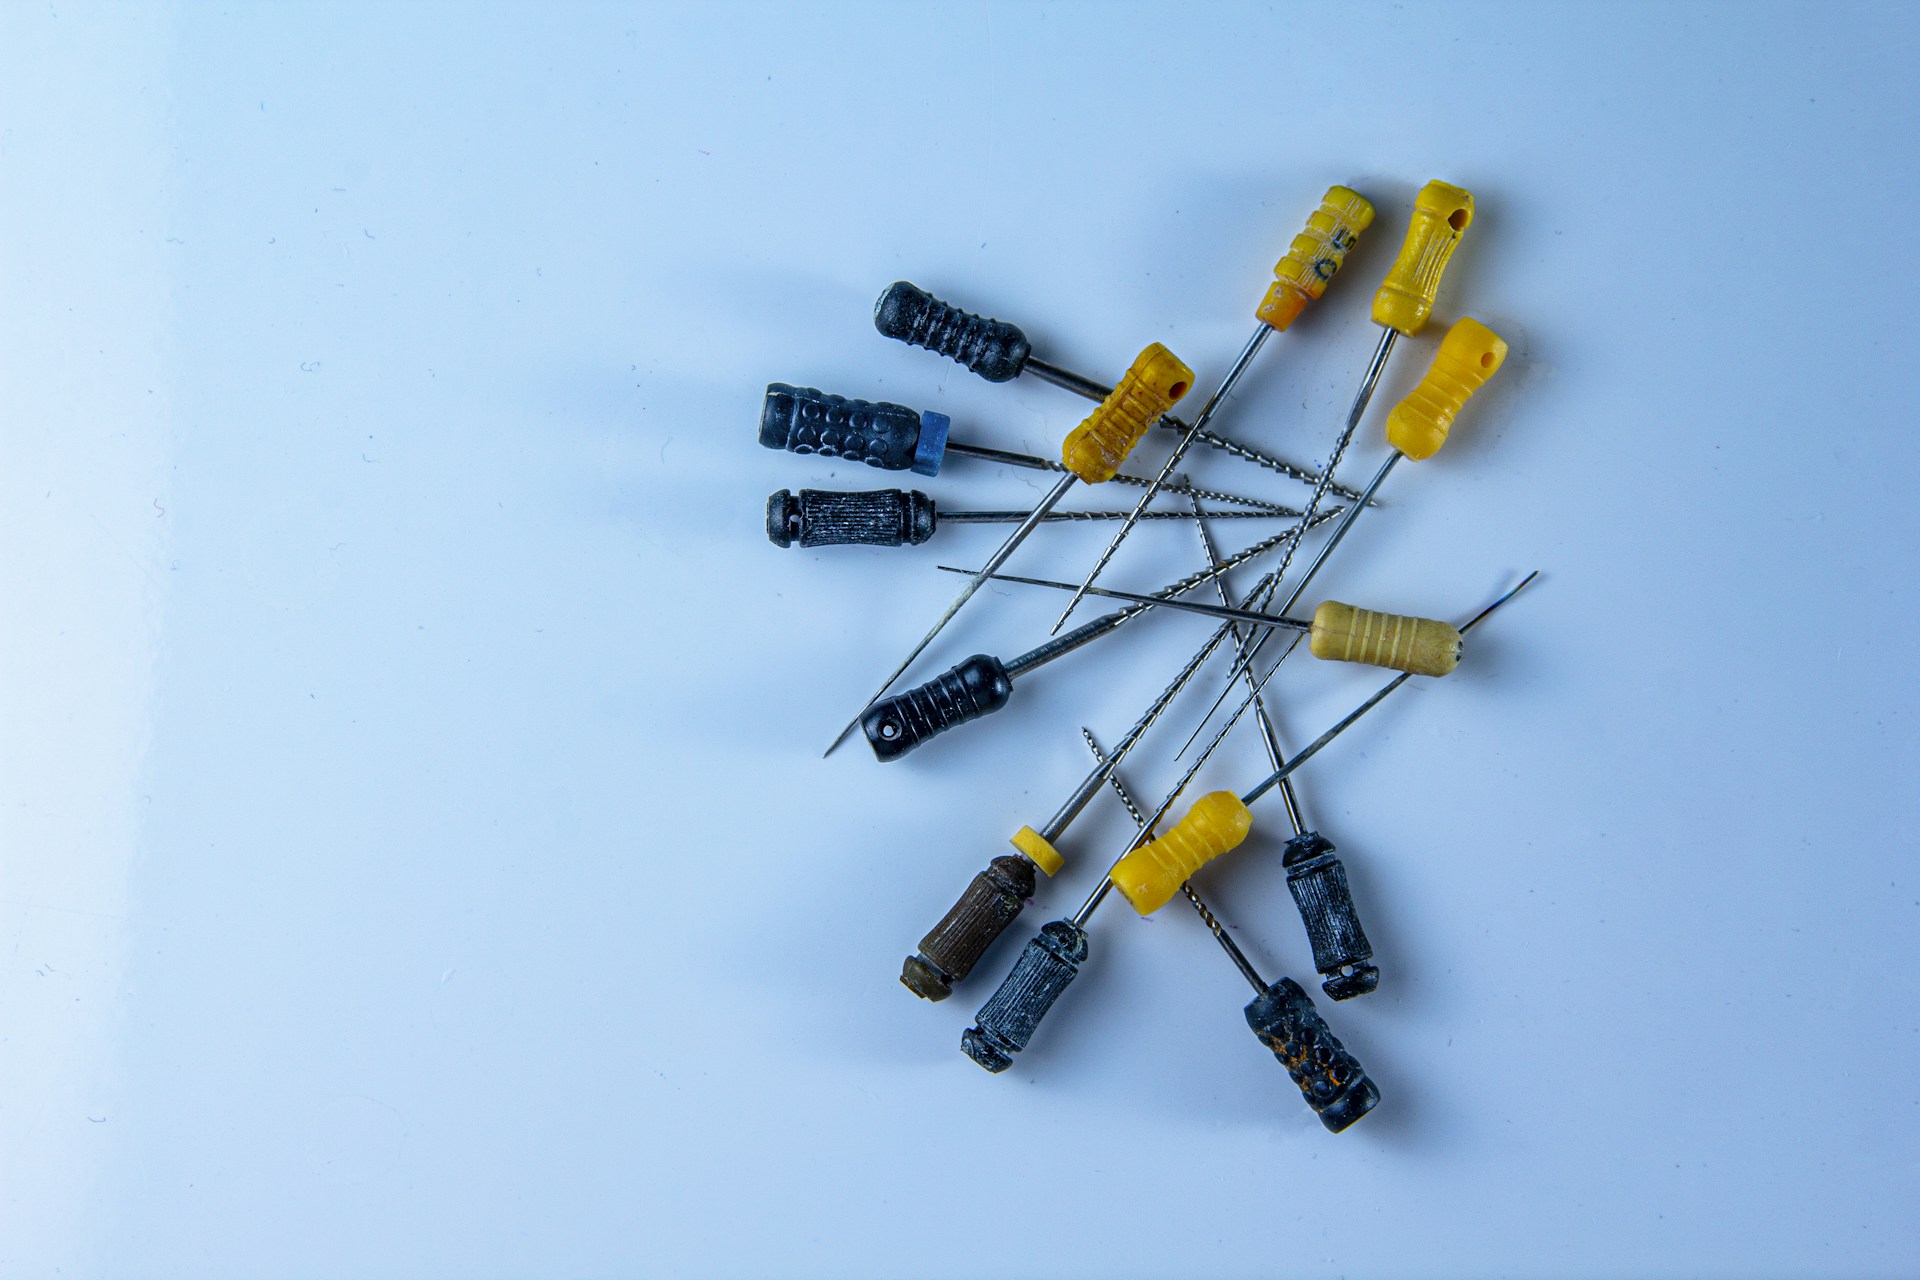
1341, 952
1315, 256
1150, 875
1421, 646
992, 901
803, 420
872, 517
1469, 355
1155, 381
993, 349
1441, 213
1006, 1022
1331, 1081
896, 725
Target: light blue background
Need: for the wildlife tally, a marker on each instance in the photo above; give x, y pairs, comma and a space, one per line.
414, 854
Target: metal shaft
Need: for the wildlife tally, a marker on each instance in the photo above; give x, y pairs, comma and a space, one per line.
1226, 613
1368, 382
999, 558
1232, 948
1100, 626
1290, 537
1096, 391
1247, 353
1066, 379
1145, 833
1268, 737
1032, 463
1060, 646
1340, 530
1063, 817
1008, 517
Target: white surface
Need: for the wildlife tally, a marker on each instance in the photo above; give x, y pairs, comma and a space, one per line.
414, 854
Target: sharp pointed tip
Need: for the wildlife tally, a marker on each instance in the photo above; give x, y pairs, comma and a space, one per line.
1519, 586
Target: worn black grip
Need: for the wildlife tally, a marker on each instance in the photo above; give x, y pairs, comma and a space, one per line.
1318, 882
994, 349
1331, 1081
871, 517
802, 420
951, 948
1006, 1022
896, 725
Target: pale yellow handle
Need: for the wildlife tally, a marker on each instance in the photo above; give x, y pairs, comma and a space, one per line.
1095, 449
1469, 355
1419, 645
1153, 873
1315, 255
1441, 213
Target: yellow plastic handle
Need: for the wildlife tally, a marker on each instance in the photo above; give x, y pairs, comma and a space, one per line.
1038, 850
1315, 255
1153, 873
1095, 449
1469, 355
1420, 645
1441, 213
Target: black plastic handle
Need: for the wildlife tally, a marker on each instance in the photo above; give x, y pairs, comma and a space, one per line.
896, 725
1332, 1082
1318, 882
872, 517
994, 349
803, 420
992, 901
1006, 1022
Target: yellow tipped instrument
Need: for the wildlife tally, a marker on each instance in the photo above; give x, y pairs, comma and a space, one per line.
1470, 354
1300, 277
1154, 383
1315, 256
1340, 632
1441, 214
1150, 875
1418, 646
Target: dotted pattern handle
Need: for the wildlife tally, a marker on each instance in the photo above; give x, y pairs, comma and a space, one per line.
1332, 1082
1006, 1022
994, 349
896, 725
1318, 883
873, 517
1150, 875
992, 901
1469, 355
1441, 213
1154, 383
1315, 256
803, 420
1423, 646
